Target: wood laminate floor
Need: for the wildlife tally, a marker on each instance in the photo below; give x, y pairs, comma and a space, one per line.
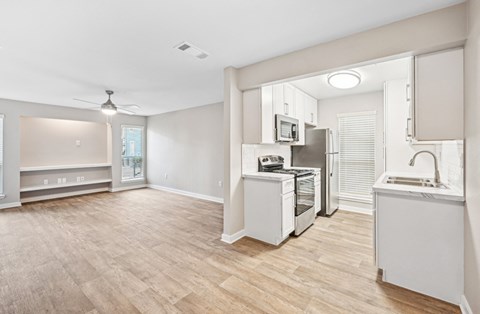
148, 251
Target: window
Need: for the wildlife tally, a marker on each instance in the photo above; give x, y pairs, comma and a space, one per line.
132, 152
1, 155
357, 155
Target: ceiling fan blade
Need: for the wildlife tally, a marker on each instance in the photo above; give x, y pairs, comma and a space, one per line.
129, 106
125, 111
89, 102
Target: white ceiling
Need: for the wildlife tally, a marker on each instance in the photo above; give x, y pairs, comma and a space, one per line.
373, 76
54, 51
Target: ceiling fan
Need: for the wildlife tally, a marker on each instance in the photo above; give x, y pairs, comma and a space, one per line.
109, 108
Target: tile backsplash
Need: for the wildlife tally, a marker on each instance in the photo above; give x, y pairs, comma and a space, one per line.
451, 165
251, 152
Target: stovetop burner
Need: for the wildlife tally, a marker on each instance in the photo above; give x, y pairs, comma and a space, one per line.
293, 171
273, 163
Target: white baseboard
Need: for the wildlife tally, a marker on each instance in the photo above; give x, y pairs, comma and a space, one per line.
234, 237
10, 205
128, 187
354, 209
61, 195
464, 306
186, 193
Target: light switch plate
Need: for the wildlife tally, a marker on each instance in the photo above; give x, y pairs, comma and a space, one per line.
45, 182
77, 143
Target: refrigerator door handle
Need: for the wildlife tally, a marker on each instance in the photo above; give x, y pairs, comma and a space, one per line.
331, 153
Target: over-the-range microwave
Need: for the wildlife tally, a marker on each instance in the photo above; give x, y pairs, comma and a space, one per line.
286, 128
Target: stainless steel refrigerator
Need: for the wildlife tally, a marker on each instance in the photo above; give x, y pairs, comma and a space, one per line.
321, 151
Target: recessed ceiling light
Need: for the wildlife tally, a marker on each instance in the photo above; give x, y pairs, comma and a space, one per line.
192, 50
344, 79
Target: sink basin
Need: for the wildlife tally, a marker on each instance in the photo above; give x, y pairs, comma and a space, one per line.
410, 179
420, 182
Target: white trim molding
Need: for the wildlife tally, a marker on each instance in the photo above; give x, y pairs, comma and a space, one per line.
62, 195
366, 211
126, 188
10, 205
464, 306
186, 193
234, 237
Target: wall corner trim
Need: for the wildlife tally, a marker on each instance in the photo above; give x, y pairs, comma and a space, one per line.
234, 237
354, 209
10, 205
186, 193
126, 188
464, 306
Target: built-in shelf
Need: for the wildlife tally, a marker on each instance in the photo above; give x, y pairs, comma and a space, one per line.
64, 167
63, 185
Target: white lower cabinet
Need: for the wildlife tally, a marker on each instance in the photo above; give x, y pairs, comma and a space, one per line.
419, 244
269, 209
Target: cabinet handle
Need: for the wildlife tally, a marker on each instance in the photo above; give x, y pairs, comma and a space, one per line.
286, 108
311, 117
408, 133
407, 92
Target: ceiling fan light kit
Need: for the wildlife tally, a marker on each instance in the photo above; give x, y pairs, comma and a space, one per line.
109, 108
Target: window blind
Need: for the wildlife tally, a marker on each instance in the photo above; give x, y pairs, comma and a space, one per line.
356, 133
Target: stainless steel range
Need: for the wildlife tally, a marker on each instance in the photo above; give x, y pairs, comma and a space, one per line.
304, 189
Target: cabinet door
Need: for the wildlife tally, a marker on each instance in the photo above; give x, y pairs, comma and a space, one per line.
439, 96
283, 100
310, 110
300, 115
288, 213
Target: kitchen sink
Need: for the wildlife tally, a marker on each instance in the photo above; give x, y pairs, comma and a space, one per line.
420, 182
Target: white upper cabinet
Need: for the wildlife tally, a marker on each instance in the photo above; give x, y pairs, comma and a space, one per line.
311, 110
284, 100
258, 116
438, 102
260, 106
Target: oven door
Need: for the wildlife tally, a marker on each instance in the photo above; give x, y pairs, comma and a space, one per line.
286, 128
305, 188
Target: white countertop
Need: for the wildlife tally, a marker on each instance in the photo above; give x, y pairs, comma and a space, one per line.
425, 192
268, 176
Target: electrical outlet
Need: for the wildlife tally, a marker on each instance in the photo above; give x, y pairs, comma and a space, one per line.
78, 179
59, 180
77, 143
64, 180
220, 183
82, 178
45, 181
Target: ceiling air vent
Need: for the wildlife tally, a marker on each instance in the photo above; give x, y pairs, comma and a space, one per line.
192, 50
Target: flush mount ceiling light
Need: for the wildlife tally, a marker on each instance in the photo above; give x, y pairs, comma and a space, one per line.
344, 79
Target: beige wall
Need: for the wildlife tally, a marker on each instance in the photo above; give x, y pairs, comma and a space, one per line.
428, 32
48, 142
233, 214
432, 31
472, 165
13, 110
187, 146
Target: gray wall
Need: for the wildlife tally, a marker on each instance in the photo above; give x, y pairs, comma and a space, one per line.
41, 143
13, 110
472, 146
187, 146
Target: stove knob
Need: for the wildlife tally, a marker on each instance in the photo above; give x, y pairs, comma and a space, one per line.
265, 159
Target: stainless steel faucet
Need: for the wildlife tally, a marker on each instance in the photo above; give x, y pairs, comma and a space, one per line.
437, 173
